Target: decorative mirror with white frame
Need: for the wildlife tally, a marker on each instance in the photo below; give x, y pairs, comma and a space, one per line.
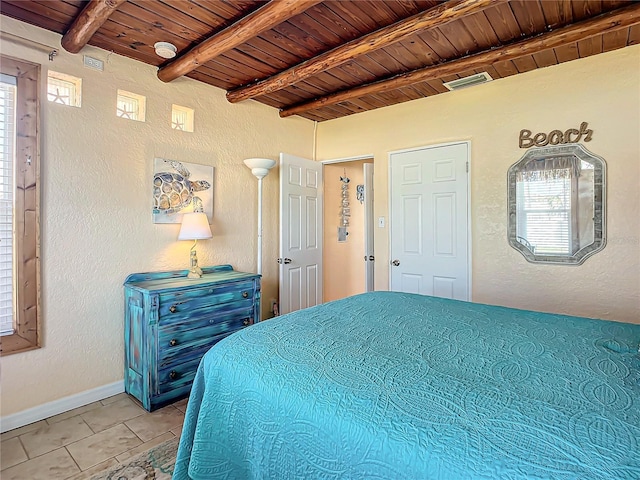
557, 204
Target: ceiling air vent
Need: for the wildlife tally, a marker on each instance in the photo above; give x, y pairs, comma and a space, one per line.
469, 81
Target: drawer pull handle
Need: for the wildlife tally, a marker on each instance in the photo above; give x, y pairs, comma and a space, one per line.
245, 294
173, 342
173, 309
173, 374
246, 322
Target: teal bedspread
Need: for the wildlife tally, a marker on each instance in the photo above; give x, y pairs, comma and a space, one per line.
398, 386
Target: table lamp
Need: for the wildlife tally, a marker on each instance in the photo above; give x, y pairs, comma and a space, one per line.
195, 226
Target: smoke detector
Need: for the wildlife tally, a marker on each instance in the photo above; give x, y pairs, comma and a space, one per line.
165, 49
469, 81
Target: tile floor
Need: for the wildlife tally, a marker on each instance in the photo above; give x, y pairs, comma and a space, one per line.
76, 444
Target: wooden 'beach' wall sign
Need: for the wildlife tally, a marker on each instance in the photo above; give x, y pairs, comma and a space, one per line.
555, 137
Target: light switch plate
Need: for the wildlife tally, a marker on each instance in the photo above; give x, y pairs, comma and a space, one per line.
93, 63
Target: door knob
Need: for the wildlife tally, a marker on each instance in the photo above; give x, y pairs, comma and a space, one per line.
284, 260
395, 263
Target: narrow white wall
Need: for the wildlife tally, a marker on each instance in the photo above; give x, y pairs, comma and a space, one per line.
603, 90
96, 208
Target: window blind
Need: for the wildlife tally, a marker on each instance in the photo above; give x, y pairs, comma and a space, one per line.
179, 119
127, 107
7, 145
60, 91
545, 206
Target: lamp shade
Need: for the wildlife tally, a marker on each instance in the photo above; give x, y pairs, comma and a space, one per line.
260, 166
195, 226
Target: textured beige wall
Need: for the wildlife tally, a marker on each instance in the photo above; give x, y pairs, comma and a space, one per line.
603, 90
96, 209
342, 262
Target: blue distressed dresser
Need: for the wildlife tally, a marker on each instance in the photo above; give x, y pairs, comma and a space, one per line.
171, 321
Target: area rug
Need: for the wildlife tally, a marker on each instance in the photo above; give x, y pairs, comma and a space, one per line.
155, 464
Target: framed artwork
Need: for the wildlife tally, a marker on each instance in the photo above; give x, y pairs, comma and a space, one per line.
180, 187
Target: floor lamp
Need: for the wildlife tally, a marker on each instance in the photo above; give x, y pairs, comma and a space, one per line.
260, 168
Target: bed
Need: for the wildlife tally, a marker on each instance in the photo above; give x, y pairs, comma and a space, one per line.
388, 385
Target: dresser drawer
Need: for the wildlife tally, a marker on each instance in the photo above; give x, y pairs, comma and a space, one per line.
177, 342
177, 376
189, 355
182, 304
210, 312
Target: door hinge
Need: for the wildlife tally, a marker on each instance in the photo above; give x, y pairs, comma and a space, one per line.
467, 167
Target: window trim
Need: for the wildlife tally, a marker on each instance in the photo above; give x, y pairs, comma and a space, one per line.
27, 335
140, 113
189, 114
75, 97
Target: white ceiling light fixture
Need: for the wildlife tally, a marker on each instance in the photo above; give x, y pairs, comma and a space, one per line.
469, 81
165, 49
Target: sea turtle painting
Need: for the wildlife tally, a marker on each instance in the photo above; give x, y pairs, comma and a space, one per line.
173, 191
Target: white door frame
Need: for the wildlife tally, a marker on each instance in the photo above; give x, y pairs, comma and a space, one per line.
470, 232
346, 160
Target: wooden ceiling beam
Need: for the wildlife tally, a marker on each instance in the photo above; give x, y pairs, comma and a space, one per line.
248, 27
617, 19
91, 18
436, 16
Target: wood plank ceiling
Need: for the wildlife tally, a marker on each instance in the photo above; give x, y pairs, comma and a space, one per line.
328, 59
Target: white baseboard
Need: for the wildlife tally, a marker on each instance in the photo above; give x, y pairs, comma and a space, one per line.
62, 405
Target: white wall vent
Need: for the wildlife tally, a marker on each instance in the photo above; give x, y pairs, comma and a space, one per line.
469, 81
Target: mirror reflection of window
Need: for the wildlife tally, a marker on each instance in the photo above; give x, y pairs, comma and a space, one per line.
555, 206
544, 210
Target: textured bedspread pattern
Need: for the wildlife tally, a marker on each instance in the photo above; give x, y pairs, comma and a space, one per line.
398, 386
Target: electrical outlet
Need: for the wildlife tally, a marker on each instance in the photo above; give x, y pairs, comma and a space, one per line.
93, 63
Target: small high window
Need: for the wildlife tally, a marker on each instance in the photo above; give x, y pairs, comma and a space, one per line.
182, 118
64, 89
131, 106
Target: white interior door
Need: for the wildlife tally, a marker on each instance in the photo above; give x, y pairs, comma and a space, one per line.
429, 221
300, 233
368, 228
